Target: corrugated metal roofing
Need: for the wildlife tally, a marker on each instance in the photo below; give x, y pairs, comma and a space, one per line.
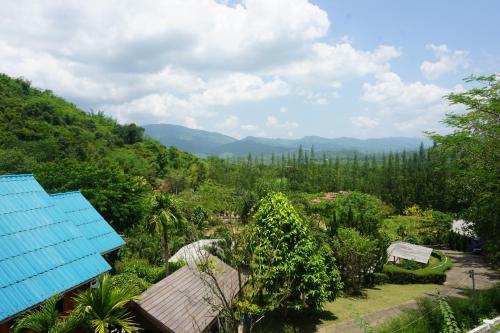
42, 253
409, 251
90, 223
182, 302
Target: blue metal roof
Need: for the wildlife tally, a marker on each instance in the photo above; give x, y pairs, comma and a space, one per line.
42, 252
90, 223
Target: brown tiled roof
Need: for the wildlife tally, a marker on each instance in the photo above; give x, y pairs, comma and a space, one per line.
183, 302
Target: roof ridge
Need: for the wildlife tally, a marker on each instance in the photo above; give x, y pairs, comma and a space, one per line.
15, 176
64, 194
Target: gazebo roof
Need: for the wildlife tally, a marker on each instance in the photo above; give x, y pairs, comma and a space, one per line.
409, 251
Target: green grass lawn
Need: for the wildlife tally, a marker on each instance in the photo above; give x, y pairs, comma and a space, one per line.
345, 308
375, 299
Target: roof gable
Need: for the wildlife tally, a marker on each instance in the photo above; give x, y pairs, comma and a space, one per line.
88, 220
41, 252
180, 303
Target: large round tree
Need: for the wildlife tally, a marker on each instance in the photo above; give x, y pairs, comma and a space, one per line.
289, 264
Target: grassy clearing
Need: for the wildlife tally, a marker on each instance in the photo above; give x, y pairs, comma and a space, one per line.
375, 299
345, 308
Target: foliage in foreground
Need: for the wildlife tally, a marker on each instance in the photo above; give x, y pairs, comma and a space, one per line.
428, 317
104, 307
47, 319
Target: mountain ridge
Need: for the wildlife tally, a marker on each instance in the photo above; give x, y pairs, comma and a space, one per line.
205, 143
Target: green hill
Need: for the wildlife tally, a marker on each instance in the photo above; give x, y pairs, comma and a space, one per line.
188, 139
68, 149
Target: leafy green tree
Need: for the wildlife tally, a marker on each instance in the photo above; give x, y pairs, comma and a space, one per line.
47, 319
476, 142
357, 256
104, 307
286, 260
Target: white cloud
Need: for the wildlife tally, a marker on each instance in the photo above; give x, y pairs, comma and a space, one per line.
391, 92
143, 36
156, 108
283, 109
327, 64
447, 61
319, 74
240, 87
249, 127
364, 122
407, 106
273, 122
229, 123
178, 60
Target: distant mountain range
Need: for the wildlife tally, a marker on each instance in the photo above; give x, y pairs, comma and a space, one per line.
205, 143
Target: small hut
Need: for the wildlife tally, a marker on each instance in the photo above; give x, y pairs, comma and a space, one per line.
186, 301
403, 250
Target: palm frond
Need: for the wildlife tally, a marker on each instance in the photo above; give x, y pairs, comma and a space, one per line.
104, 307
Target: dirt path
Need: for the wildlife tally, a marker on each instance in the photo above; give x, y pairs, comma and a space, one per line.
457, 280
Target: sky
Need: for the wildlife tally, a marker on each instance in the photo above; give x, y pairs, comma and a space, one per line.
272, 68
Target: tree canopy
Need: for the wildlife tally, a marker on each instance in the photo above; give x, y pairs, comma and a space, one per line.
476, 141
287, 260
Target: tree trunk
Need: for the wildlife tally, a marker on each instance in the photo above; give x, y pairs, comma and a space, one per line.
166, 254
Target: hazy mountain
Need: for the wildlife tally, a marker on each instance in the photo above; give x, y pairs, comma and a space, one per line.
205, 143
188, 139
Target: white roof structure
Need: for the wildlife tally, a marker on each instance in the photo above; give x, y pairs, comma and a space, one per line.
463, 228
403, 250
194, 252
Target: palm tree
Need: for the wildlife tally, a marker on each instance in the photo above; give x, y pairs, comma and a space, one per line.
165, 217
104, 307
46, 319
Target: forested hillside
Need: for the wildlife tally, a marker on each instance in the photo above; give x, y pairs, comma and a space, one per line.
69, 149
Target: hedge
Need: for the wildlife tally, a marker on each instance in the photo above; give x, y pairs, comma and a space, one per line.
398, 275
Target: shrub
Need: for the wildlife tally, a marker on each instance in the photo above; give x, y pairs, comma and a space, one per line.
380, 278
130, 281
403, 276
435, 274
142, 269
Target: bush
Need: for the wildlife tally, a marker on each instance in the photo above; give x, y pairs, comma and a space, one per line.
130, 281
380, 278
403, 276
141, 268
436, 274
